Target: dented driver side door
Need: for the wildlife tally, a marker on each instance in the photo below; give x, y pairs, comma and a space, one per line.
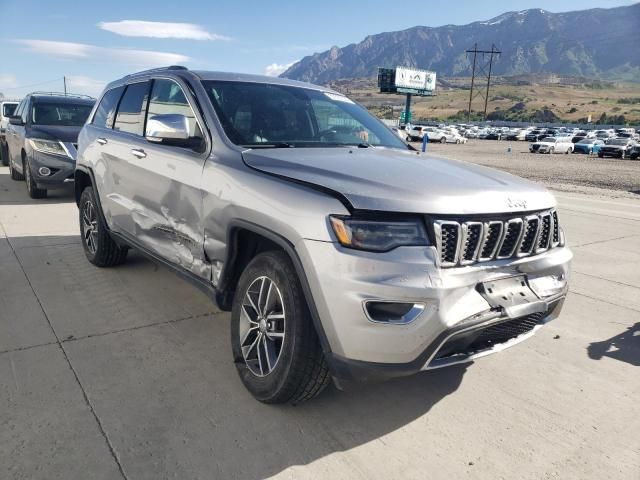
165, 197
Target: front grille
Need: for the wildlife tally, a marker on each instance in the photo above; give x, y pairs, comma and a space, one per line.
480, 240
473, 341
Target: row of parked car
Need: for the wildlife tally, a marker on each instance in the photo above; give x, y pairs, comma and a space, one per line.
620, 143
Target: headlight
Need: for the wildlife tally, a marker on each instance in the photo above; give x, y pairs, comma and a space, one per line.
52, 147
378, 235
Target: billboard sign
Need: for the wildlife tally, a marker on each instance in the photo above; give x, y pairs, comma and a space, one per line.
415, 79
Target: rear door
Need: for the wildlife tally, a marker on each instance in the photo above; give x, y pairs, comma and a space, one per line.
116, 170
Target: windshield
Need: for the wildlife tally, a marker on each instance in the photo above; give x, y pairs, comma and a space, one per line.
62, 114
268, 115
549, 139
8, 109
617, 141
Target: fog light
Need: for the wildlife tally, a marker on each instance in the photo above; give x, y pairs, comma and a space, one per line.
44, 171
548, 286
393, 312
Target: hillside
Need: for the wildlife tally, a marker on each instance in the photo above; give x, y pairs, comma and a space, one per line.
532, 98
597, 43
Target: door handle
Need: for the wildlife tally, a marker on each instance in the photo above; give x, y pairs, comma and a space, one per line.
101, 141
138, 152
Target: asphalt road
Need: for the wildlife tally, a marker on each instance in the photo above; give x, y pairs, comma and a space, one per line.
126, 373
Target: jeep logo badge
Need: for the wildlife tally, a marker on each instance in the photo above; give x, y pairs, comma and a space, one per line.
516, 203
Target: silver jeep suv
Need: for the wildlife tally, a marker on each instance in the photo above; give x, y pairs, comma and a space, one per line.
341, 252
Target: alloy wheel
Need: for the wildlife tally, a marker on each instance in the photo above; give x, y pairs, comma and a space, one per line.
262, 326
90, 226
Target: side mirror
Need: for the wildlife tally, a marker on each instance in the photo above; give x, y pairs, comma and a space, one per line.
13, 120
170, 128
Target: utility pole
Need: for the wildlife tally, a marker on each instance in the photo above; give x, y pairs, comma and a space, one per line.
64, 80
484, 69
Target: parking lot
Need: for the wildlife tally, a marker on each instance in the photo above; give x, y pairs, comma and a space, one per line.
126, 373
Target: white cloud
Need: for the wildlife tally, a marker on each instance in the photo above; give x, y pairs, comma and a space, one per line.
276, 69
7, 81
85, 85
141, 28
80, 51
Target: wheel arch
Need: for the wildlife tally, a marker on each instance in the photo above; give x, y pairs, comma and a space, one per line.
244, 241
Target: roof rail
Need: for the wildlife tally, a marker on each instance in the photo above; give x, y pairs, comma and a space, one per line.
160, 69
63, 94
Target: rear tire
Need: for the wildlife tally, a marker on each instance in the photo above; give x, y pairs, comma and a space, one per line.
99, 247
32, 188
443, 140
275, 345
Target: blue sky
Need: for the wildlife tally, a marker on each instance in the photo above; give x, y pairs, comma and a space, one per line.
94, 42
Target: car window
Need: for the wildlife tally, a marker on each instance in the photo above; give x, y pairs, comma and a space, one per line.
24, 112
19, 109
8, 109
271, 115
60, 113
106, 110
167, 97
131, 112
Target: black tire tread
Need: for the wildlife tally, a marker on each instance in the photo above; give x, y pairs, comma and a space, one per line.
14, 173
308, 374
108, 254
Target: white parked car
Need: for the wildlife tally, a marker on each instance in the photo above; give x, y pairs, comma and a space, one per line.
434, 134
552, 145
453, 136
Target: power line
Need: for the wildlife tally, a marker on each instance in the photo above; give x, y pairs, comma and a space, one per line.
484, 68
33, 84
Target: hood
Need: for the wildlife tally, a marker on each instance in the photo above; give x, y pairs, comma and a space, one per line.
51, 132
397, 181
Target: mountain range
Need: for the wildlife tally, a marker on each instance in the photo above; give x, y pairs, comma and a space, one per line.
596, 43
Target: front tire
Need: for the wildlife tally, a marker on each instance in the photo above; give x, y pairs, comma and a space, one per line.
4, 153
15, 175
275, 346
32, 188
443, 140
99, 247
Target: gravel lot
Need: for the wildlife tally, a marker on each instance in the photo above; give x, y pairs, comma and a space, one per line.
560, 172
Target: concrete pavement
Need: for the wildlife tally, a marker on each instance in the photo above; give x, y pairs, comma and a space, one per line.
126, 373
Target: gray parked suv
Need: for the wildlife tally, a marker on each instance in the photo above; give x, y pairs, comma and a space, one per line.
342, 253
41, 139
7, 107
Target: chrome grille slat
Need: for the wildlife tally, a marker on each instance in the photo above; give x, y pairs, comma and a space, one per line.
461, 243
470, 243
529, 235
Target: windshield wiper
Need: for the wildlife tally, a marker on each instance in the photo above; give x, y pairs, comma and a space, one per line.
271, 145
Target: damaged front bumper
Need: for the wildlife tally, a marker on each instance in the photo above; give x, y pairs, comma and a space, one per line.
460, 320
